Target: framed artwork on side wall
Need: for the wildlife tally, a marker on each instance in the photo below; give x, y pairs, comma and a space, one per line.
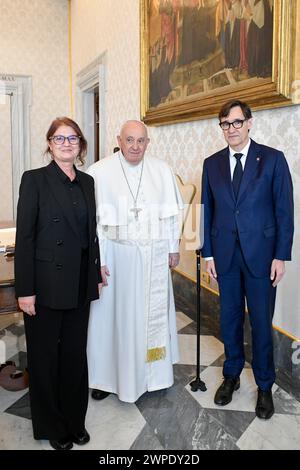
197, 54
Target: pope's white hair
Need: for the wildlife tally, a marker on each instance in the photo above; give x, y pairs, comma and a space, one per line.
135, 122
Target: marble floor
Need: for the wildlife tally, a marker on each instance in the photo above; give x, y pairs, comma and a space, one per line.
172, 419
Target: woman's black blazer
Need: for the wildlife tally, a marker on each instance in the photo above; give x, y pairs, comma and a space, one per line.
48, 248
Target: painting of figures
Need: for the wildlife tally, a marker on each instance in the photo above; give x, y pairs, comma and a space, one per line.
200, 45
197, 53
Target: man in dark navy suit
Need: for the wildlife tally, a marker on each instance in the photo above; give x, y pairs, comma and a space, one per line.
247, 195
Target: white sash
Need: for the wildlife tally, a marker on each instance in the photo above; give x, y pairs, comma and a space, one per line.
157, 296
155, 259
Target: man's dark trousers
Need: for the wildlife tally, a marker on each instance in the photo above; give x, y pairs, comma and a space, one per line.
235, 285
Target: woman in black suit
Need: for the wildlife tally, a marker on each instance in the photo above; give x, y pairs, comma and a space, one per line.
57, 272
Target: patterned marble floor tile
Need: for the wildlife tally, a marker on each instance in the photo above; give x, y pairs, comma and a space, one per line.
147, 440
285, 403
21, 407
243, 399
172, 415
9, 319
16, 434
112, 424
182, 320
184, 374
8, 398
3, 357
21, 343
220, 361
20, 359
175, 418
210, 349
16, 328
209, 434
281, 432
12, 343
9, 344
234, 422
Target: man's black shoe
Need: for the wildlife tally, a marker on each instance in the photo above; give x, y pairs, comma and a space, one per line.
99, 394
62, 444
264, 406
81, 438
224, 393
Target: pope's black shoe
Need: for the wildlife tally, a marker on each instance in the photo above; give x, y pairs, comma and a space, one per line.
99, 394
264, 406
61, 444
224, 393
81, 438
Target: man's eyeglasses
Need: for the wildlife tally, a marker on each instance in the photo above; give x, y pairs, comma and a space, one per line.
60, 139
237, 124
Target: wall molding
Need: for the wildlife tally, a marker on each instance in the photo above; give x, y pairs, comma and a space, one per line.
20, 89
93, 75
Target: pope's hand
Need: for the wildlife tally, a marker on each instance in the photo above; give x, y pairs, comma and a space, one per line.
173, 260
104, 274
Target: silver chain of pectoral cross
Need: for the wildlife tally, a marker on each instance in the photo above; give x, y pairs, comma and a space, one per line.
135, 209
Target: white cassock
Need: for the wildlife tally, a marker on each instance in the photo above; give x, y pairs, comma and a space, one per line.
132, 337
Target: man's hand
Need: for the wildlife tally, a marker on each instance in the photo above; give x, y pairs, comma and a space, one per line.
211, 269
27, 304
277, 271
104, 273
100, 285
173, 260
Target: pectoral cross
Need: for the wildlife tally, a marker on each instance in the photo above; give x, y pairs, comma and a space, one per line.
136, 211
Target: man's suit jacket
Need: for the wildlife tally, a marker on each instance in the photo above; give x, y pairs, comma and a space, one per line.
261, 217
48, 246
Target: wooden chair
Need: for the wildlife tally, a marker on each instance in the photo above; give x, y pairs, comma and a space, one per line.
187, 192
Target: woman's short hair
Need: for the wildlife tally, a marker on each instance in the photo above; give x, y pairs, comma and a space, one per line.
65, 121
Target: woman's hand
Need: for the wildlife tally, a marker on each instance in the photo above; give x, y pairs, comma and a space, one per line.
27, 304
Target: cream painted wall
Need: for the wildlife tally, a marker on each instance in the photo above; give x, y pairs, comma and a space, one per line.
34, 41
112, 27
6, 207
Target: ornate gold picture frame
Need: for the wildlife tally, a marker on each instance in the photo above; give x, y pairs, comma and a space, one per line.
195, 56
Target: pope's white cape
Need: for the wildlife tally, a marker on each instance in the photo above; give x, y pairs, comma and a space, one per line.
114, 199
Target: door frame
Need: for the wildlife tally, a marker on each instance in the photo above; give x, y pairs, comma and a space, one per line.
20, 89
87, 80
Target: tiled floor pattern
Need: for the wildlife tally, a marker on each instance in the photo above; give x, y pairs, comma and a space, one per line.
173, 419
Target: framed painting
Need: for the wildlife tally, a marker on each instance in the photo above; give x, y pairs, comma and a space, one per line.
197, 54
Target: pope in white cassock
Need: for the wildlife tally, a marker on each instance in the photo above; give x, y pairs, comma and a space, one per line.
132, 337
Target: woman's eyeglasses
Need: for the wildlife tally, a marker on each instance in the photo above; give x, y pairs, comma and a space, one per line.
60, 139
